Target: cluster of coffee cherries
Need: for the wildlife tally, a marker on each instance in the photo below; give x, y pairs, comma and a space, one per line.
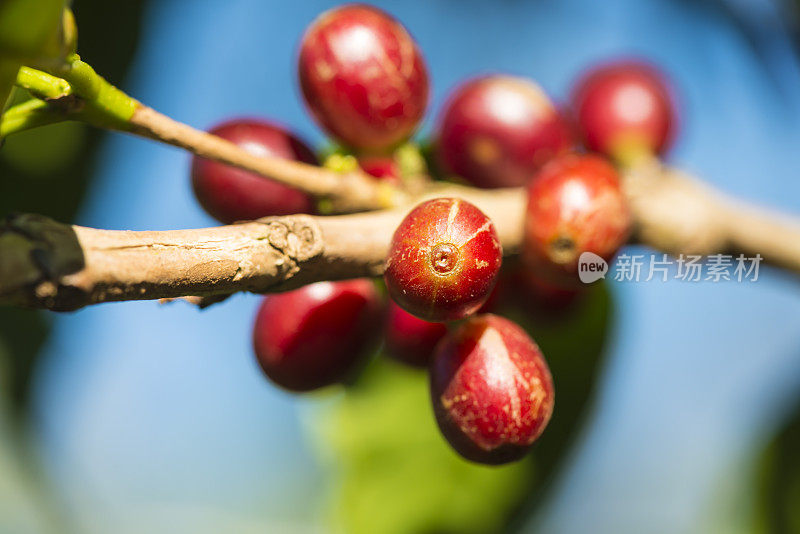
365, 82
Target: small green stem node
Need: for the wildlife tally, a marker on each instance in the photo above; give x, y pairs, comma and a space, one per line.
29, 115
41, 84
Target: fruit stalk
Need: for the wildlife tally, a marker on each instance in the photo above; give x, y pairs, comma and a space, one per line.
347, 192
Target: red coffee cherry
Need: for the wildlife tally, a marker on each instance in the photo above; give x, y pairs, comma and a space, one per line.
496, 131
491, 389
230, 194
363, 77
316, 335
495, 298
384, 168
575, 205
624, 109
443, 260
409, 339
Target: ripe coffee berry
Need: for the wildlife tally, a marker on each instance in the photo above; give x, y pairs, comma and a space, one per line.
491, 389
624, 109
497, 131
409, 339
316, 335
363, 77
230, 194
575, 205
384, 168
443, 260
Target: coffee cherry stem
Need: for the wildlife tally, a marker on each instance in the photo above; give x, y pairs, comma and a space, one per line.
79, 94
632, 152
89, 98
30, 114
346, 192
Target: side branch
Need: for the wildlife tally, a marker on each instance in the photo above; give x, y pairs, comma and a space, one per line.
346, 192
74, 91
676, 213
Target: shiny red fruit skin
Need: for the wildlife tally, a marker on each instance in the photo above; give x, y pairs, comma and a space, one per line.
496, 131
491, 389
317, 335
409, 339
363, 77
384, 168
230, 194
443, 260
625, 105
575, 205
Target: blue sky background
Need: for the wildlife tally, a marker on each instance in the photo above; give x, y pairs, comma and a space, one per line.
158, 415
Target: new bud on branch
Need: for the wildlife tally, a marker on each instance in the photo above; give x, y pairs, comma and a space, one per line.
491, 389
443, 260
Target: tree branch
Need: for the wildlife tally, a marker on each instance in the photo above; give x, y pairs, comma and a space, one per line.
57, 266
346, 192
51, 265
677, 213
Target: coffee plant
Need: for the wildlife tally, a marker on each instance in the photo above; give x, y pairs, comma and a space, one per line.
458, 255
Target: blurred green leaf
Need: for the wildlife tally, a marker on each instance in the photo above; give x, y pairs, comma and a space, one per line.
8, 74
24, 508
394, 472
22, 333
28, 27
60, 144
778, 481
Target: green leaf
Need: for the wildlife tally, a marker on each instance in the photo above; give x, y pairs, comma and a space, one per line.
29, 28
24, 508
394, 473
8, 74
778, 481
